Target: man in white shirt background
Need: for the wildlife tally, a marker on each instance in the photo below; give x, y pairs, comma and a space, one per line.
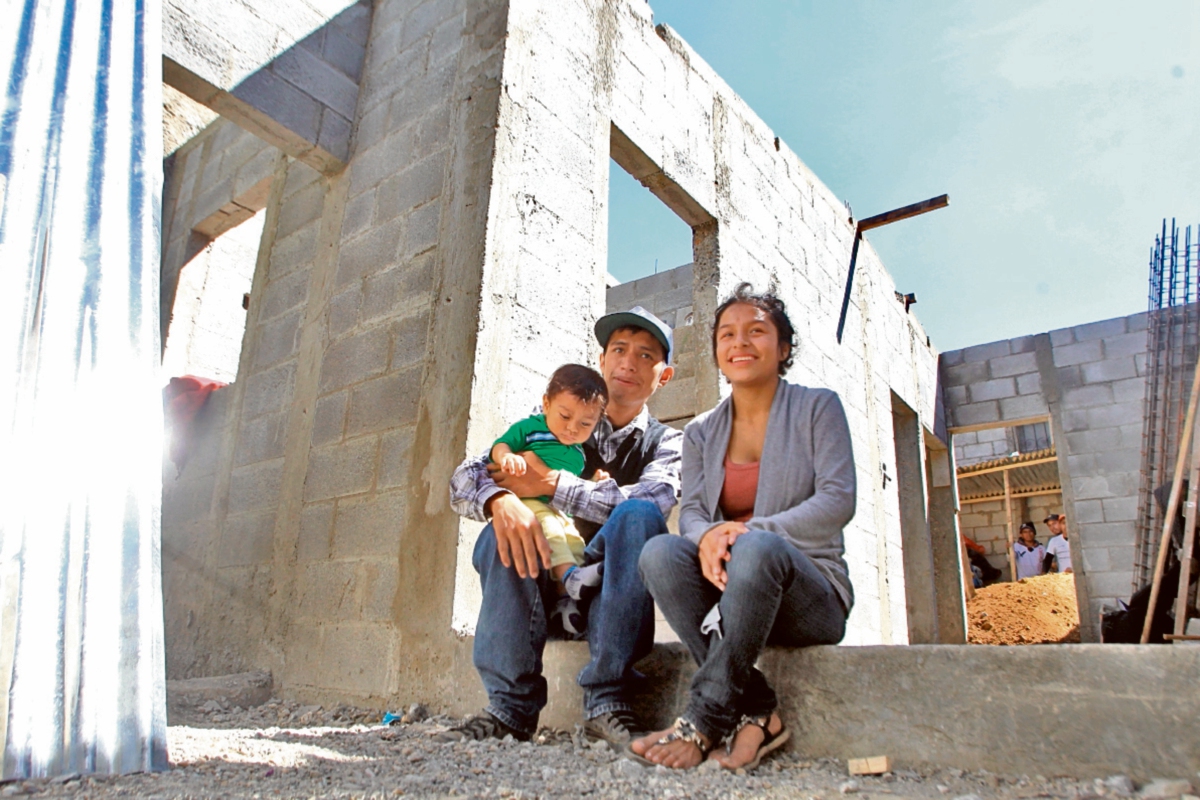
1057, 548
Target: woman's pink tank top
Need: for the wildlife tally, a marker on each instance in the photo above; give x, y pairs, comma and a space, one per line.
737, 495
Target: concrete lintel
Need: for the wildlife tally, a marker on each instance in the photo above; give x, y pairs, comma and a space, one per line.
250, 118
1000, 423
634, 160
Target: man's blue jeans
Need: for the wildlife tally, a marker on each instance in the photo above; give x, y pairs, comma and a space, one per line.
774, 595
511, 633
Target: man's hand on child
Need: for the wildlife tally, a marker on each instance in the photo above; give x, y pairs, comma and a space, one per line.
513, 464
600, 475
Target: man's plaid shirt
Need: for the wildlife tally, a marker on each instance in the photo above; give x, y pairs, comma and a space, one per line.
471, 486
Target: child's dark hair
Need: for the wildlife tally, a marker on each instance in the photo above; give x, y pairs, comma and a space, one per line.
582, 382
770, 305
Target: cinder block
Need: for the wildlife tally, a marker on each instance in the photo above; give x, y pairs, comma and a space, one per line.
328, 591
247, 539
1129, 344
421, 233
977, 413
255, 487
334, 135
344, 310
1100, 330
965, 374
1079, 353
316, 532
301, 208
299, 176
268, 391
1107, 534
1070, 377
355, 359
384, 403
426, 17
1099, 487
1075, 420
1111, 369
1120, 509
283, 295
277, 340
1009, 366
410, 341
987, 352
369, 526
329, 419
360, 210
343, 53
1022, 344
1126, 460
381, 579
1094, 440
1116, 415
1093, 396
282, 102
1130, 390
446, 40
1030, 405
261, 439
1029, 384
294, 252
415, 186
398, 289
341, 469
373, 251
1062, 336
1089, 511
951, 358
344, 657
1110, 584
254, 170
1137, 322
395, 458
1095, 560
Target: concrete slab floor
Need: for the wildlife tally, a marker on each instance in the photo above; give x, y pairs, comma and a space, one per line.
286, 750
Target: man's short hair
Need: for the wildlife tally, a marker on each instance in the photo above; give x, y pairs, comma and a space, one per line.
580, 381
1055, 518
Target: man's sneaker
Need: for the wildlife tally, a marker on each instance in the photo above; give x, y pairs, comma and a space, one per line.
618, 728
480, 726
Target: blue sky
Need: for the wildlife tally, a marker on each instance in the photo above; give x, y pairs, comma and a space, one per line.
1063, 132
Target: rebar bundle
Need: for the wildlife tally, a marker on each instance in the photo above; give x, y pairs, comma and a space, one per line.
1172, 348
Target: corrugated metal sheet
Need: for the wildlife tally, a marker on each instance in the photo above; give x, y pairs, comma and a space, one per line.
1023, 476
81, 648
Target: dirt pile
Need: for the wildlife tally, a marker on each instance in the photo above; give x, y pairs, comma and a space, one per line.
1039, 610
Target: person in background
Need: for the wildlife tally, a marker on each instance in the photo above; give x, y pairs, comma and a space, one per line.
1058, 550
1028, 552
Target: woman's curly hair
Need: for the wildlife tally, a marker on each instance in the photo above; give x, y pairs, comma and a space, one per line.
769, 304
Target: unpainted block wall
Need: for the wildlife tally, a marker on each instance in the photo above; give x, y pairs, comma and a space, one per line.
587, 79
973, 447
1089, 381
407, 309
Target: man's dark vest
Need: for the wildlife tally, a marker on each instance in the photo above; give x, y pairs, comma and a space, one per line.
632, 457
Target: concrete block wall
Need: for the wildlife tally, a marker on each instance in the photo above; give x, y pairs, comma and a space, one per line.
315, 539
586, 79
1090, 382
406, 309
294, 81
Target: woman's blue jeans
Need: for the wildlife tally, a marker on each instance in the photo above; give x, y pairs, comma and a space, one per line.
511, 633
774, 595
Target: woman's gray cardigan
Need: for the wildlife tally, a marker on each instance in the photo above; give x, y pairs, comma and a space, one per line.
806, 478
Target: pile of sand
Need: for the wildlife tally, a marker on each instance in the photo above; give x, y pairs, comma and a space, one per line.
1037, 610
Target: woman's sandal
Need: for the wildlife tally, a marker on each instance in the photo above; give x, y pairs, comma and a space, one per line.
770, 743
681, 731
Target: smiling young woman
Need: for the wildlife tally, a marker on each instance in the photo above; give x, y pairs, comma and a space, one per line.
768, 486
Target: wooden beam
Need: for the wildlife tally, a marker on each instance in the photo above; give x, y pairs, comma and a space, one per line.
895, 215
1008, 528
1015, 495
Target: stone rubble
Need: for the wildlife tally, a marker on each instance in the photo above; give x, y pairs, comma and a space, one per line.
285, 749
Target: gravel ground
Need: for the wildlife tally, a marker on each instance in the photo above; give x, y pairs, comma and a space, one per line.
285, 750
